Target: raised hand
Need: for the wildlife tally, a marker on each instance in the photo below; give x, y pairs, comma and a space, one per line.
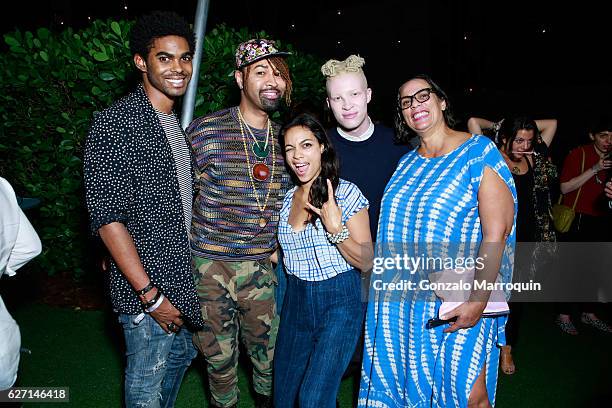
330, 213
605, 163
497, 125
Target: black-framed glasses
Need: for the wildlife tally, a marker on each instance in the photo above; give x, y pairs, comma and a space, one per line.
421, 96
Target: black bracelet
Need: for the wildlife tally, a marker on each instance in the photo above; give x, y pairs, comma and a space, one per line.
146, 289
153, 301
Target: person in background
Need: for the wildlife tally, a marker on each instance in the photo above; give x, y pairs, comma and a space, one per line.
19, 243
582, 179
524, 144
547, 129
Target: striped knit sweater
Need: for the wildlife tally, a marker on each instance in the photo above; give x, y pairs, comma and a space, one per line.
226, 215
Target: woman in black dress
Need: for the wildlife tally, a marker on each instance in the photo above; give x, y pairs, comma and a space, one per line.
524, 145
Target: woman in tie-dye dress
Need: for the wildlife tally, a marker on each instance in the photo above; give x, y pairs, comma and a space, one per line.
455, 188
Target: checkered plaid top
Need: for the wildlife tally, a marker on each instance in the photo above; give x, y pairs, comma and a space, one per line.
308, 254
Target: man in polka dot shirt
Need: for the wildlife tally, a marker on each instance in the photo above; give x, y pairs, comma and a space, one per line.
241, 187
139, 189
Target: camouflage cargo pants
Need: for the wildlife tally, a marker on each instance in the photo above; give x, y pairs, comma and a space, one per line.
237, 302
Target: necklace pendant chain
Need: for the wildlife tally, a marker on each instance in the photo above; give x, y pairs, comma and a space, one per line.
260, 154
251, 169
257, 142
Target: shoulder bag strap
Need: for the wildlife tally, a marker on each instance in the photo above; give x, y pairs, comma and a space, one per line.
581, 171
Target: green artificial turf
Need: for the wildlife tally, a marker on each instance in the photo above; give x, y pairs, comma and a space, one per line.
81, 350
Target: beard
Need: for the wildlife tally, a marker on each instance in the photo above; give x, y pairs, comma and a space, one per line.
269, 105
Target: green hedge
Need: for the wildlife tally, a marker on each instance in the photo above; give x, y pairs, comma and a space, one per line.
51, 84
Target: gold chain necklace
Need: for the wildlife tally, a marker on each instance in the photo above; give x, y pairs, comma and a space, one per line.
262, 220
251, 132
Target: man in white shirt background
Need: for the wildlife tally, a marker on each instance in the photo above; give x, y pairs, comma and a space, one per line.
18, 244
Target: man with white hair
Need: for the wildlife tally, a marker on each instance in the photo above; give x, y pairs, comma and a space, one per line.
367, 152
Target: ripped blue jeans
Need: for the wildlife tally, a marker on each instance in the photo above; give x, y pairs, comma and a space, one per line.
156, 362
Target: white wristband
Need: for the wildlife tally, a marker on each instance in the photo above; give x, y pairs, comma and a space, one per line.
339, 237
156, 305
139, 318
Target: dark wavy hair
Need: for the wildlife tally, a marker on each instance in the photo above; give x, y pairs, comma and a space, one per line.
600, 124
403, 134
510, 128
155, 25
329, 161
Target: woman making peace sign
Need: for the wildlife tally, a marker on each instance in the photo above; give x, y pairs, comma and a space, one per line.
325, 237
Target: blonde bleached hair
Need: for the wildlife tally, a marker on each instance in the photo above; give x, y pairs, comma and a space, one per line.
353, 63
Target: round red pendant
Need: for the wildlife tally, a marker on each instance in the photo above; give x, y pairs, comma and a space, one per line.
261, 172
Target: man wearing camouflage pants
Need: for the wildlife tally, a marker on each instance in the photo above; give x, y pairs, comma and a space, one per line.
242, 183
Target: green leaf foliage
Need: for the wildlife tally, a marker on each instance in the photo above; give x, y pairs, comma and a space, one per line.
49, 93
116, 28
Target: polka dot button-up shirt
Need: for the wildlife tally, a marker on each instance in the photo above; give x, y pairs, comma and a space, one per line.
131, 178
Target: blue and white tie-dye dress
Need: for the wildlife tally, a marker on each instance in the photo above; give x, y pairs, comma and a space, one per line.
433, 200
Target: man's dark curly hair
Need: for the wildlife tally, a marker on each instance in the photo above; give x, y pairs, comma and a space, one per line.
155, 25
